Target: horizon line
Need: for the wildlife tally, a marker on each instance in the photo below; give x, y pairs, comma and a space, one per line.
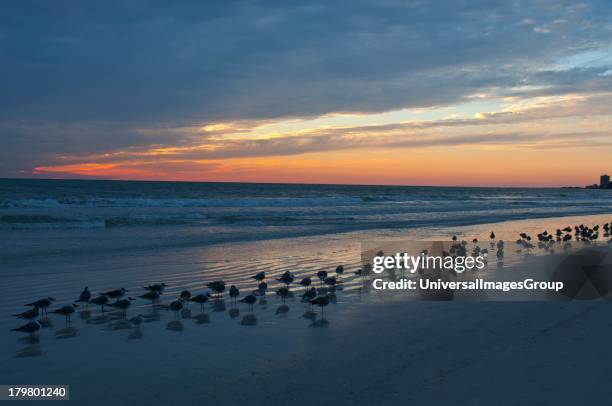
293, 183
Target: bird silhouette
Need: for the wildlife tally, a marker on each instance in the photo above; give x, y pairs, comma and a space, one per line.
249, 300
66, 311
115, 293
42, 303
234, 292
100, 301
85, 296
157, 287
31, 327
201, 299
29, 314
259, 276
320, 301
151, 295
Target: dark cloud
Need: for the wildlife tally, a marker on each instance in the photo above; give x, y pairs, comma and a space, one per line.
97, 72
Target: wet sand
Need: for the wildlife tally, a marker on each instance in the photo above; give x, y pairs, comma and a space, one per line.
374, 348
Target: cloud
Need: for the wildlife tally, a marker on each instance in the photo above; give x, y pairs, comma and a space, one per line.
83, 78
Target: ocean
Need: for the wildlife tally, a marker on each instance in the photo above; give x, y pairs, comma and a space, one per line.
179, 213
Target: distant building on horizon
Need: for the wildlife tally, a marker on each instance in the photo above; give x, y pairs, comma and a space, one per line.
604, 181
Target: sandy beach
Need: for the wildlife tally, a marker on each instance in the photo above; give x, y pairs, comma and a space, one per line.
373, 348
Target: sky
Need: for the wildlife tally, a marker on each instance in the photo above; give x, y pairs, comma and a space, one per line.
449, 92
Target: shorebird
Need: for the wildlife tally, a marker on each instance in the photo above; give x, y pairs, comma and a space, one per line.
122, 304
249, 300
185, 295
100, 301
151, 295
176, 306
31, 327
28, 314
283, 292
309, 295
286, 278
85, 296
306, 282
201, 299
157, 287
322, 275
66, 311
262, 286
492, 236
259, 276
331, 281
218, 287
115, 293
234, 292
339, 270
42, 304
320, 301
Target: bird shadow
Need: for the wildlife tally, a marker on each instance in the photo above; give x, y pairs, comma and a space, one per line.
186, 313
136, 334
32, 350
151, 317
29, 339
317, 323
67, 332
249, 320
119, 325
202, 318
100, 319
175, 325
234, 312
310, 315
282, 310
218, 306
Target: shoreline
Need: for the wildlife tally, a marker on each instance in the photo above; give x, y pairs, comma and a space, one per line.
81, 235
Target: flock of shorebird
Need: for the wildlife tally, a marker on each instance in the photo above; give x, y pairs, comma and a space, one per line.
320, 296
116, 299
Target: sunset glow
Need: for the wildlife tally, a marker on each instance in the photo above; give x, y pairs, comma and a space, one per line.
485, 115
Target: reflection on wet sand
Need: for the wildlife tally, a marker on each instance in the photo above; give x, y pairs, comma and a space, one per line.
234, 312
218, 305
310, 315
249, 320
282, 310
119, 325
319, 323
29, 339
175, 325
67, 332
32, 350
136, 334
100, 319
202, 318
